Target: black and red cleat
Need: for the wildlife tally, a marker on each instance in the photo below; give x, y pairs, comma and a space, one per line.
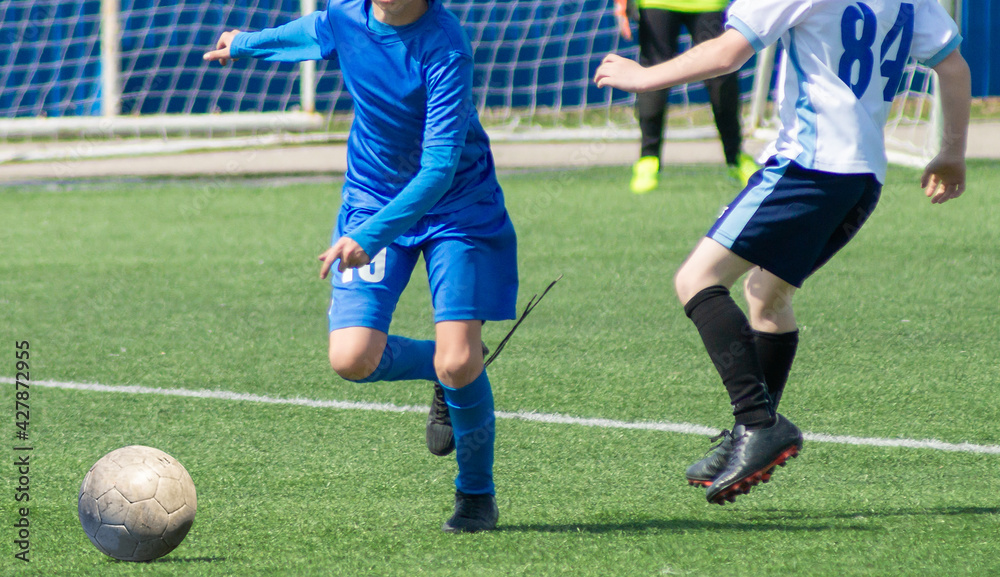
755, 455
702, 473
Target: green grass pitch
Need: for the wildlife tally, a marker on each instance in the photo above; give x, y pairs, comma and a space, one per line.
213, 284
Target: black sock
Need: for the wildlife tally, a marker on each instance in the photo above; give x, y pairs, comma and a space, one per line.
730, 343
776, 353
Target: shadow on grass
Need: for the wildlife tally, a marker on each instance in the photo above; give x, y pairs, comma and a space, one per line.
189, 560
676, 525
771, 520
174, 560
929, 512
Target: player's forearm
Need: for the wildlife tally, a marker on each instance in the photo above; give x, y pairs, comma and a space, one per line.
954, 83
437, 171
716, 57
292, 42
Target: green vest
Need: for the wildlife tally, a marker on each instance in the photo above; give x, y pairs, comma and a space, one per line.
686, 5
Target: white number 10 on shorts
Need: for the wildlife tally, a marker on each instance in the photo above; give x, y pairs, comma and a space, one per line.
373, 272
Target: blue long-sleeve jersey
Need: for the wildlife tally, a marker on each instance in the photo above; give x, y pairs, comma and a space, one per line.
416, 145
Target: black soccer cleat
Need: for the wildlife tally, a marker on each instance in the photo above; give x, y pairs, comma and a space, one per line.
440, 438
702, 473
439, 435
755, 455
473, 513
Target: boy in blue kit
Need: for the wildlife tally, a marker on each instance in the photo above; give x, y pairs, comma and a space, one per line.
844, 63
420, 180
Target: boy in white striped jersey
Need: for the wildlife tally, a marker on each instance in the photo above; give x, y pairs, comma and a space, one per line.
822, 181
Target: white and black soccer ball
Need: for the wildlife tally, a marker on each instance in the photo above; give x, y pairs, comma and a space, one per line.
137, 503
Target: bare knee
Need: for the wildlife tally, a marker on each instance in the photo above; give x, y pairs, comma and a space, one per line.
458, 367
709, 264
355, 356
684, 285
352, 367
458, 352
770, 303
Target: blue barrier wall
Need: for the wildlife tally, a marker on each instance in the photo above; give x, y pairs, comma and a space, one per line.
981, 29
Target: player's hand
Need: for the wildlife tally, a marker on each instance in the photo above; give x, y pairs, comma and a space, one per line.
350, 254
944, 178
221, 52
621, 16
621, 73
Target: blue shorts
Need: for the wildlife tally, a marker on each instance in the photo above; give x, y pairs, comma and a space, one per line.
471, 259
790, 220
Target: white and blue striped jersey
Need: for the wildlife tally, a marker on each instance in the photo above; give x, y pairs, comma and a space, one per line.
843, 64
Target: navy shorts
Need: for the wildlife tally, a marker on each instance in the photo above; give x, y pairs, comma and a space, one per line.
471, 259
790, 220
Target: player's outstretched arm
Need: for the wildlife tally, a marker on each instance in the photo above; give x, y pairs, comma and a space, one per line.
305, 38
716, 57
944, 177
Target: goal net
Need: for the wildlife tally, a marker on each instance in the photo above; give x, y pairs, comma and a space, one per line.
127, 76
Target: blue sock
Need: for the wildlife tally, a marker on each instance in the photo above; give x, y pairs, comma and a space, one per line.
404, 360
474, 426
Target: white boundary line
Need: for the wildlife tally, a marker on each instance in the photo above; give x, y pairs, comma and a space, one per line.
553, 418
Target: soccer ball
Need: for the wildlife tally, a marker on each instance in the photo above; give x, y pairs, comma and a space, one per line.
137, 503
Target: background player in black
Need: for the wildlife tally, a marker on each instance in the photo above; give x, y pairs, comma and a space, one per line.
660, 25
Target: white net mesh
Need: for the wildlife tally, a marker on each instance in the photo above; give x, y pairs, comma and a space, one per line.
534, 63
162, 71
534, 60
50, 63
911, 134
